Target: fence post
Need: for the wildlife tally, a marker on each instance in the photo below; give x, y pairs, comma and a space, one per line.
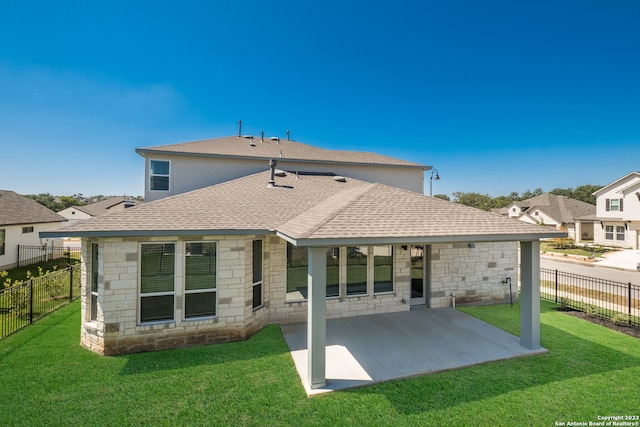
70, 283
556, 286
18, 263
30, 301
629, 295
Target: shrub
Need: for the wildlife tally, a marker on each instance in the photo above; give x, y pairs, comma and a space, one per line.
621, 319
591, 310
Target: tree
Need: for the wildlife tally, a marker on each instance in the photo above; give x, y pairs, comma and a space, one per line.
442, 196
65, 202
45, 199
476, 200
583, 193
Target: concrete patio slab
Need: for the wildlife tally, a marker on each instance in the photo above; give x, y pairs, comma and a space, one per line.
365, 350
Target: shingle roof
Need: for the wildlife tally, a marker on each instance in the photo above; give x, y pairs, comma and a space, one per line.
234, 146
101, 207
16, 209
564, 209
308, 207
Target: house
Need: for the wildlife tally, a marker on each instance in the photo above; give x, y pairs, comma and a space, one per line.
618, 213
283, 246
21, 221
178, 168
103, 207
559, 212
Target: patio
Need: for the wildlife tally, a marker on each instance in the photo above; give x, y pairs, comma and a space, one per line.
365, 350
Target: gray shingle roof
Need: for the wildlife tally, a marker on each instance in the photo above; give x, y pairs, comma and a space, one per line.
16, 209
101, 207
308, 207
564, 209
234, 146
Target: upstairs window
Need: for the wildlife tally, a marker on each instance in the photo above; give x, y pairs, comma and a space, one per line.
159, 173
26, 230
613, 205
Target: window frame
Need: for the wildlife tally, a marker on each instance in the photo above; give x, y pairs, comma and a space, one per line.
620, 231
142, 295
609, 232
375, 282
256, 285
347, 265
93, 288
3, 240
28, 229
203, 290
152, 175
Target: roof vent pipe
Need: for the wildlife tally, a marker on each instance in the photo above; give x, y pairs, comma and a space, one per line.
239, 127
272, 181
287, 134
262, 136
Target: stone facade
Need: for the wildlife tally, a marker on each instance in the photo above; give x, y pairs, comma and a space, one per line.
474, 275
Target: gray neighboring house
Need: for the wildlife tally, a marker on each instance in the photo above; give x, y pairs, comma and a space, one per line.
103, 207
559, 212
221, 262
21, 221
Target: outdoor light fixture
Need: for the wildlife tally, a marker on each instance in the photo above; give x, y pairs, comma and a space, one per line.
472, 245
436, 177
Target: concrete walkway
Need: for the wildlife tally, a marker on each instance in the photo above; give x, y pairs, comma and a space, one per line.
370, 349
625, 259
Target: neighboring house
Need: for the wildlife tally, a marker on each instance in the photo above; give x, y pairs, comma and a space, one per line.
21, 221
178, 168
559, 212
618, 213
103, 207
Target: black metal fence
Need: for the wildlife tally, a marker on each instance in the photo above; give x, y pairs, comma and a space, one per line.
47, 256
597, 297
23, 304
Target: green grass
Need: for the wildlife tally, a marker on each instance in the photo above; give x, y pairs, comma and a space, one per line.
550, 246
46, 378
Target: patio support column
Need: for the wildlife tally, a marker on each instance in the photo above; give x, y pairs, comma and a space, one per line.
530, 294
317, 317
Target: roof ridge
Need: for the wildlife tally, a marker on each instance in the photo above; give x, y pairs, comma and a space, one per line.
331, 212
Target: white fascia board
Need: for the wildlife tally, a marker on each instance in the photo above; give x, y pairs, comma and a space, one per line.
149, 233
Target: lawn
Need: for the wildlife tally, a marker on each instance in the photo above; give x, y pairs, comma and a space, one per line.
46, 378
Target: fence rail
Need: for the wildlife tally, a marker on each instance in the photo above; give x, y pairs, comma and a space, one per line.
597, 297
23, 304
47, 255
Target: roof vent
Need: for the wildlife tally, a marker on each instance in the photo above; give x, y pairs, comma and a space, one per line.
280, 173
248, 136
339, 178
276, 139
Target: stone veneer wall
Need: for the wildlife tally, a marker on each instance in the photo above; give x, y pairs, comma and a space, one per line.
474, 275
117, 330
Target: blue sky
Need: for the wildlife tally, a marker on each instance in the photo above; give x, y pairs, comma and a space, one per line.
498, 96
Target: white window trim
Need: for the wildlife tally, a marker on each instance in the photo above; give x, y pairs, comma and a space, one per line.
157, 174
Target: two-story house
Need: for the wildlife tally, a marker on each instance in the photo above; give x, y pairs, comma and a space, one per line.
293, 242
618, 213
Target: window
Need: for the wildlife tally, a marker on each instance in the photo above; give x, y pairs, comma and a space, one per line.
257, 273
157, 275
200, 279
608, 232
93, 307
159, 175
357, 270
2, 241
536, 213
620, 232
26, 230
298, 268
382, 269
613, 205
333, 272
